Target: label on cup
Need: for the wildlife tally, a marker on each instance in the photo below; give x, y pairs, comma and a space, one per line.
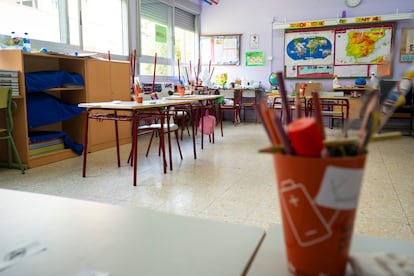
340, 188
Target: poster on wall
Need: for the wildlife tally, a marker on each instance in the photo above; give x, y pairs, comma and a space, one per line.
346, 51
407, 45
309, 53
363, 45
220, 49
255, 58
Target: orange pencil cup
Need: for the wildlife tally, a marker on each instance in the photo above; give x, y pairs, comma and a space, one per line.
318, 199
139, 98
181, 90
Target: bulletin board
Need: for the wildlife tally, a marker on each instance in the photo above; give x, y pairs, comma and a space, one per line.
346, 51
220, 49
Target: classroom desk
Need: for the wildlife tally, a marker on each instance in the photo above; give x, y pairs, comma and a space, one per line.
331, 105
353, 91
203, 101
135, 108
81, 236
271, 257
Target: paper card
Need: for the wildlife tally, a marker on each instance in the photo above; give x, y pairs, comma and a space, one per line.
340, 188
91, 272
14, 256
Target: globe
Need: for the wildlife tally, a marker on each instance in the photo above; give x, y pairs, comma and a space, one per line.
273, 80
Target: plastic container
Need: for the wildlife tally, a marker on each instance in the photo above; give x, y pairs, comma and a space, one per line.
15, 40
27, 47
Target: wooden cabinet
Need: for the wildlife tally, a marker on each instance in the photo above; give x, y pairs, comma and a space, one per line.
107, 81
104, 81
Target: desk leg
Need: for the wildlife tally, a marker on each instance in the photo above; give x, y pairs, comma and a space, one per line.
117, 140
135, 144
85, 141
169, 137
162, 141
220, 115
192, 119
202, 125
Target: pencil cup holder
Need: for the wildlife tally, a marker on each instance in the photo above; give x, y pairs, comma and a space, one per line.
318, 199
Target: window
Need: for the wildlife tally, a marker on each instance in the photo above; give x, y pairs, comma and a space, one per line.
184, 36
156, 33
40, 19
104, 26
168, 32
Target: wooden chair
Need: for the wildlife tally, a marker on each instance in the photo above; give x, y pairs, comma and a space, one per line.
278, 105
250, 101
331, 108
233, 105
7, 128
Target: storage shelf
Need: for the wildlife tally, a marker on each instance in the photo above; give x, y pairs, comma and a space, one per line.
65, 89
50, 157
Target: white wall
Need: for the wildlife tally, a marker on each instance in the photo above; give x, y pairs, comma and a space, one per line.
249, 17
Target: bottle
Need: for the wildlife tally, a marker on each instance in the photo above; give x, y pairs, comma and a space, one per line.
26, 43
14, 41
374, 81
335, 83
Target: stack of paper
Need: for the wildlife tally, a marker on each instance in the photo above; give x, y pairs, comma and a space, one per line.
10, 78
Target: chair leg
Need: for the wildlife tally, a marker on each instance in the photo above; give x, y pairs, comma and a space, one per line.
19, 161
149, 144
178, 144
9, 153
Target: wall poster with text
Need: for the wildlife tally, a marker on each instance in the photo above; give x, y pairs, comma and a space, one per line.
346, 51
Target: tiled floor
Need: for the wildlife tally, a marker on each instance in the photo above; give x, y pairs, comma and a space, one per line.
230, 181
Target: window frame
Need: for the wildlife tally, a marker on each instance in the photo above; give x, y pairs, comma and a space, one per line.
171, 60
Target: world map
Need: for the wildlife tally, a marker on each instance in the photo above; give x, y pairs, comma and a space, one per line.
305, 48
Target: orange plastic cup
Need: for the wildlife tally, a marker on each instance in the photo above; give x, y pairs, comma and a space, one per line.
181, 90
138, 99
318, 199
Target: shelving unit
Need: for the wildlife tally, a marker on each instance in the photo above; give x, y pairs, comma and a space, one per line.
104, 81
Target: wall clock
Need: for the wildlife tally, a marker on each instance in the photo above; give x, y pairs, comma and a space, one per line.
352, 3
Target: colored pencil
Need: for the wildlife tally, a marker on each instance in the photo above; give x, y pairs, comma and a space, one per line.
155, 69
318, 112
283, 94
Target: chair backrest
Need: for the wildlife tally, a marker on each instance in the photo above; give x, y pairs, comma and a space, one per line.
5, 97
5, 103
238, 97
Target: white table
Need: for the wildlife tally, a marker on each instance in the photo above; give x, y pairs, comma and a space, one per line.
271, 257
134, 107
82, 235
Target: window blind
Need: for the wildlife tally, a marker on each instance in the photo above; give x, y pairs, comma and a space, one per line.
156, 12
184, 20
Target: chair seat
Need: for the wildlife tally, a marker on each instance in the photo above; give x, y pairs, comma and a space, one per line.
230, 106
173, 127
180, 113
